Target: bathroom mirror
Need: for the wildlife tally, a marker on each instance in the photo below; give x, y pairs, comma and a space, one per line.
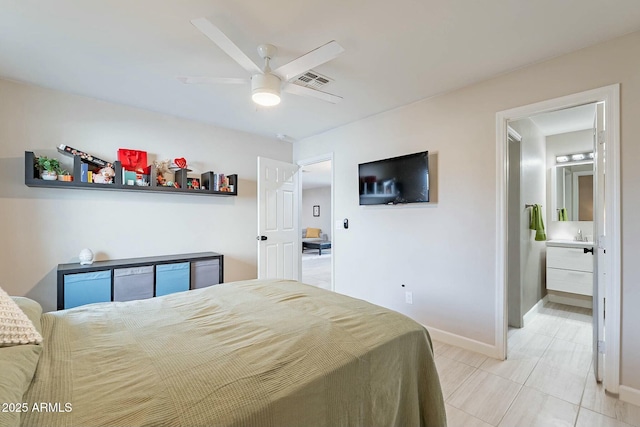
572, 189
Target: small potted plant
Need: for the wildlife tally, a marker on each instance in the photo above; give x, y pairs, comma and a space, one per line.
48, 168
64, 175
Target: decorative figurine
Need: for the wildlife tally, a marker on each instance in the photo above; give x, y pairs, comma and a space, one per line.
86, 257
181, 162
162, 168
107, 175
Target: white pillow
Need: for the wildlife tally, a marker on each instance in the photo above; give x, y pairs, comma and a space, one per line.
15, 326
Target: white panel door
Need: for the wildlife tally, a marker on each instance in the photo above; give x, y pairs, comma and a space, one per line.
278, 231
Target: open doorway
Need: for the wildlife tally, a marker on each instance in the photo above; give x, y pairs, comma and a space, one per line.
551, 164
316, 212
550, 274
604, 235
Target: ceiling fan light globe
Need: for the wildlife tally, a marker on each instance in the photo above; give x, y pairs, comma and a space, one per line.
266, 99
265, 89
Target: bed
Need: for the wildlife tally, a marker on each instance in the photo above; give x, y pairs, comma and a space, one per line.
251, 353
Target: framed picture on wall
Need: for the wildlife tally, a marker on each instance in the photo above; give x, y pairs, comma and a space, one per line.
316, 210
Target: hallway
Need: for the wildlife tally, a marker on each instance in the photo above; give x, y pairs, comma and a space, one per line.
316, 269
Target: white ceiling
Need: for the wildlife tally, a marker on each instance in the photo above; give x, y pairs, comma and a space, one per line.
567, 120
397, 52
316, 175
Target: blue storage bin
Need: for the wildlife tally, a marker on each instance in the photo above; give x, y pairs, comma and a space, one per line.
87, 288
172, 278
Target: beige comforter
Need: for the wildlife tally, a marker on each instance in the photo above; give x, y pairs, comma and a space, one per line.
254, 353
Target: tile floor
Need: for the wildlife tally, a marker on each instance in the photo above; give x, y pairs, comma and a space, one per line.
316, 270
547, 379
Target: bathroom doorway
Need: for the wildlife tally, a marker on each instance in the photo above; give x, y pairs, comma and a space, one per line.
551, 167
605, 231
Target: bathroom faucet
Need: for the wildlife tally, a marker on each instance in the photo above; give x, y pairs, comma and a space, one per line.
579, 236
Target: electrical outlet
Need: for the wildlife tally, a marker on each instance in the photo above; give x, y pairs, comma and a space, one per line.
408, 297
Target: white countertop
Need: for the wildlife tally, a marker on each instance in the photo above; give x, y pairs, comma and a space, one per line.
569, 243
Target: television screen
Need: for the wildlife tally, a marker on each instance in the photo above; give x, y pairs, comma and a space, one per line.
403, 179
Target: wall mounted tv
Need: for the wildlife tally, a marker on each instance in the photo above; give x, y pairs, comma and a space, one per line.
403, 179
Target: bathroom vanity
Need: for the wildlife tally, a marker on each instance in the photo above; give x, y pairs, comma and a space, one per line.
570, 267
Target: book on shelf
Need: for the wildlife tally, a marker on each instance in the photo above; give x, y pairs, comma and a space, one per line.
86, 157
84, 172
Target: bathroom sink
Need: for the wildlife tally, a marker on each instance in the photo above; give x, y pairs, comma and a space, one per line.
569, 243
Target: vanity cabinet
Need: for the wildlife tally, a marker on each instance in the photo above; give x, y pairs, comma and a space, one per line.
570, 269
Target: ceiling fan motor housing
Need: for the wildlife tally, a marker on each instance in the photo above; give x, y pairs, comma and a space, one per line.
265, 89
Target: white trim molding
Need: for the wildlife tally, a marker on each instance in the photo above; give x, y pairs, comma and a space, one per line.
528, 317
463, 342
610, 95
513, 134
629, 395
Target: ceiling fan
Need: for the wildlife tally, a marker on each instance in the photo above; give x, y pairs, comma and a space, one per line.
266, 83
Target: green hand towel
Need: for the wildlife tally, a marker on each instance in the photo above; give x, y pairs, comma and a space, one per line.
537, 223
562, 214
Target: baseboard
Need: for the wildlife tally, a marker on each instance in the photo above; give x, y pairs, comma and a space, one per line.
629, 395
534, 310
567, 300
464, 342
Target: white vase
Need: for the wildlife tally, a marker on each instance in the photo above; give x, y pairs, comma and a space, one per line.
86, 256
49, 175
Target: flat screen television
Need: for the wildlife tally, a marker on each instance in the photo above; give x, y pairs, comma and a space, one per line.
403, 179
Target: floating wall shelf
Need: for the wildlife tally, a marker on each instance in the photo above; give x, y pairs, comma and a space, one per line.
31, 179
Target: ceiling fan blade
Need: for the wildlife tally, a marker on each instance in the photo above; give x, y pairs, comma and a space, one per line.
224, 43
305, 91
212, 80
309, 60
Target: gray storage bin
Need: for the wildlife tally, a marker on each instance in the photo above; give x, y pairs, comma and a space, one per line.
132, 283
205, 273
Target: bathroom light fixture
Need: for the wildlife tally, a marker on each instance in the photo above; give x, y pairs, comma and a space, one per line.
265, 89
575, 158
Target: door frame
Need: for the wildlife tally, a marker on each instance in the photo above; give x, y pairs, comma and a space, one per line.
610, 95
309, 161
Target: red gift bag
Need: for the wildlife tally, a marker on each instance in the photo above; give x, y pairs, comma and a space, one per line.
133, 160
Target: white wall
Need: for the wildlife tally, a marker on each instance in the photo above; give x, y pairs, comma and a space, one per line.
320, 196
445, 252
566, 143
44, 227
532, 191
440, 251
